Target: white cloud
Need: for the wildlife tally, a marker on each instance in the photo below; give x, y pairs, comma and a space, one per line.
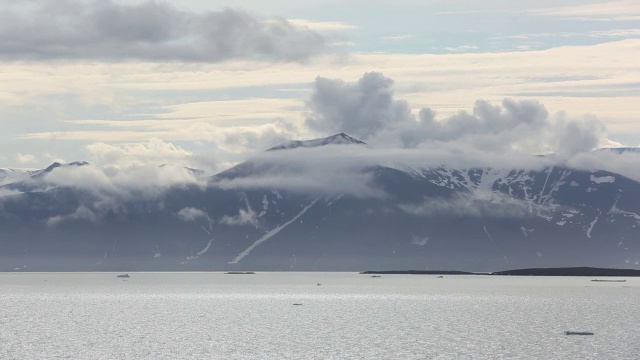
114, 184
570, 79
618, 10
323, 25
25, 158
82, 213
148, 30
245, 217
397, 38
190, 214
368, 109
154, 152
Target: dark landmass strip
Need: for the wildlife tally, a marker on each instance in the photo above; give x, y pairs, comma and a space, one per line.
420, 272
240, 273
568, 271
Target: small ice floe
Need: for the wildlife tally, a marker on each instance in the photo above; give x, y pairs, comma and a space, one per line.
125, 276
578, 333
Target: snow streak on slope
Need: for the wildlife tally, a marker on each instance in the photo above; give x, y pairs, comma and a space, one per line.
271, 233
593, 223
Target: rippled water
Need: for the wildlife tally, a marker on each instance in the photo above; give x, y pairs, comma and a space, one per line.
348, 316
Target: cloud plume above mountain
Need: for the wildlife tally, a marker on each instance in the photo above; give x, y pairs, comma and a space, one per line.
368, 109
149, 31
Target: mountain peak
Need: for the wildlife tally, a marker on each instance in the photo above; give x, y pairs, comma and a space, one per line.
621, 150
337, 139
56, 165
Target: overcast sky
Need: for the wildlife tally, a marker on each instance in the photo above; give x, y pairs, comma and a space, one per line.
122, 83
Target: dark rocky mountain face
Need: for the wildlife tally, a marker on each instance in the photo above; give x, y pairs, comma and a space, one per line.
255, 217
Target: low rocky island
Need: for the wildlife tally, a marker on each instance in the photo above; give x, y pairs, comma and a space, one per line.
566, 271
419, 272
570, 271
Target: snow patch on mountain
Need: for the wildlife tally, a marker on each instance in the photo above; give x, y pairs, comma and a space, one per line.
419, 241
591, 225
271, 233
602, 179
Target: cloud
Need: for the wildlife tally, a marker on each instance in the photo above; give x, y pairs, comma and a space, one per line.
114, 185
151, 30
367, 109
396, 38
190, 214
488, 204
25, 158
82, 213
361, 109
620, 10
626, 164
7, 192
334, 170
154, 152
323, 25
245, 217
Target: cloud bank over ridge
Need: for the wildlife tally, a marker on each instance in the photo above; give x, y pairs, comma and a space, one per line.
368, 109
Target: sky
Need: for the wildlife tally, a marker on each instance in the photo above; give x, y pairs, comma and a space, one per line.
129, 83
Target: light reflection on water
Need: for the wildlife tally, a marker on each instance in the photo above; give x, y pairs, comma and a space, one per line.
348, 316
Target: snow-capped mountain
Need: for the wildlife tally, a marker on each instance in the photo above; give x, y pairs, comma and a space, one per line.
622, 150
288, 209
8, 175
338, 139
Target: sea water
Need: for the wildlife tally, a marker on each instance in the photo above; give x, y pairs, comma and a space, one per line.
339, 316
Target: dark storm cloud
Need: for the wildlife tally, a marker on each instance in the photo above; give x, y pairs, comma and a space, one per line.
151, 30
367, 109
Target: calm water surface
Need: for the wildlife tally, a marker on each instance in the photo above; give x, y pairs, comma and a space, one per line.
348, 316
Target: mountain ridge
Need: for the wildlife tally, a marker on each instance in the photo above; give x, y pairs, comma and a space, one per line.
473, 219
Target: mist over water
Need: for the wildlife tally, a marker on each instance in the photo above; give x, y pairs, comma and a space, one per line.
342, 316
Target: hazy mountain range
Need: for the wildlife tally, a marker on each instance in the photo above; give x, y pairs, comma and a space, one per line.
327, 204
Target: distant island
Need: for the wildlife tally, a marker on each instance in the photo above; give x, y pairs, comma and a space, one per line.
570, 271
567, 271
421, 272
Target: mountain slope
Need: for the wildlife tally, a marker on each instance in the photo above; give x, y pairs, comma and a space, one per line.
475, 219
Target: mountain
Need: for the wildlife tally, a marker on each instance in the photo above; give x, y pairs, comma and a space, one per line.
314, 205
8, 175
338, 139
621, 150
